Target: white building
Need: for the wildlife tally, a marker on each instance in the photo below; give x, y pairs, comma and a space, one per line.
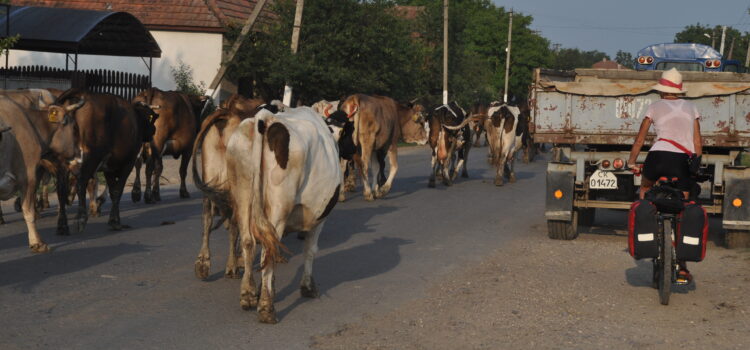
188, 31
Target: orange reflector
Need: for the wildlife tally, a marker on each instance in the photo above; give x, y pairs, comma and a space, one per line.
605, 164
558, 194
737, 202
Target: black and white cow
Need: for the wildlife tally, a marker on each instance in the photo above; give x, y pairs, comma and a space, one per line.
450, 141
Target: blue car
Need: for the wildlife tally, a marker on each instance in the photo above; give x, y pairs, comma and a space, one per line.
685, 57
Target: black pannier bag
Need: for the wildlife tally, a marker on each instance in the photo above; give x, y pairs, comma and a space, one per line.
642, 230
692, 233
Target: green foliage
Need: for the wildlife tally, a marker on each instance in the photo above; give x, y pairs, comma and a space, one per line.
625, 59
706, 35
346, 46
183, 78
7, 43
567, 59
351, 46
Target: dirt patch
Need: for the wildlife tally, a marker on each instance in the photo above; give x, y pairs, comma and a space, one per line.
582, 294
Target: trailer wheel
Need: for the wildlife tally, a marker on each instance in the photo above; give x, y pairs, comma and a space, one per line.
586, 216
563, 230
737, 239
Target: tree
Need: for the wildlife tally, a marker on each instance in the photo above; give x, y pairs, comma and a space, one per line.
568, 59
706, 35
346, 46
477, 41
625, 59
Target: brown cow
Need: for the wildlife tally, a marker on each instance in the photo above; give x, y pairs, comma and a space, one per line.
212, 142
379, 123
107, 132
30, 141
175, 132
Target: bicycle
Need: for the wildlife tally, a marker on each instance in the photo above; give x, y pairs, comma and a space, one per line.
669, 202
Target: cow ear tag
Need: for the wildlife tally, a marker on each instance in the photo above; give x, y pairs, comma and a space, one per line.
415, 118
53, 116
150, 118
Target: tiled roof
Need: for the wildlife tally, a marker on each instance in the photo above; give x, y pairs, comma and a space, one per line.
182, 15
409, 12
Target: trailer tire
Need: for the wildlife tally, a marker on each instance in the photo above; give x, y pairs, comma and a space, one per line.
563, 230
735, 239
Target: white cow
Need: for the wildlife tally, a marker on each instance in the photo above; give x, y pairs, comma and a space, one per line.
501, 132
283, 177
325, 108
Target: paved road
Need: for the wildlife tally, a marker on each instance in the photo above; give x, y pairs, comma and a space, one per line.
136, 288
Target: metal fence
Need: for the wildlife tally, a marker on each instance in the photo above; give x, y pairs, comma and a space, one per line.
125, 85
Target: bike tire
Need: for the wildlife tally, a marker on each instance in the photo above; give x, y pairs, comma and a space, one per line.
665, 272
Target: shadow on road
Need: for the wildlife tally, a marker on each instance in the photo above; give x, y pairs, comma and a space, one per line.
31, 270
641, 275
360, 262
98, 227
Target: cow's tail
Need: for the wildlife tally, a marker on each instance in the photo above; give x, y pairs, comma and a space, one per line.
220, 197
260, 227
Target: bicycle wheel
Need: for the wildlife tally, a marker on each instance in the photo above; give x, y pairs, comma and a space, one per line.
665, 268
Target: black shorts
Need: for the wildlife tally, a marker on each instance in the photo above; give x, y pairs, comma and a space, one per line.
669, 165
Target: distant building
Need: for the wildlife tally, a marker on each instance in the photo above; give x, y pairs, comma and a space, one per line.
189, 31
607, 64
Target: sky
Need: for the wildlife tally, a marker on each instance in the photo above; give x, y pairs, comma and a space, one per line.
628, 25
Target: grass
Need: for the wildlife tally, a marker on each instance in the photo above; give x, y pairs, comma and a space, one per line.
745, 159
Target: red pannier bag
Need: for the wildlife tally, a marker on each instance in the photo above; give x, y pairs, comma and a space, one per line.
642, 230
692, 233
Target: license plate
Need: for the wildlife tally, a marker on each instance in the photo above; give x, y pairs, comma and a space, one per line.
603, 180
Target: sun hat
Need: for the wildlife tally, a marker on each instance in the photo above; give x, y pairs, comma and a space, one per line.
670, 82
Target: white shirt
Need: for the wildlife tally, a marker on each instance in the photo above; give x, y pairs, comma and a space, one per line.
673, 119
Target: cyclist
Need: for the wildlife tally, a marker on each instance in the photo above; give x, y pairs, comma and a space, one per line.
677, 129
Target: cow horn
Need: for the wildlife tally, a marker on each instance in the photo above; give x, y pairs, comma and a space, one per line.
41, 103
73, 107
414, 100
459, 126
154, 107
4, 129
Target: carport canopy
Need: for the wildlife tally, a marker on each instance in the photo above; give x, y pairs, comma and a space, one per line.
71, 31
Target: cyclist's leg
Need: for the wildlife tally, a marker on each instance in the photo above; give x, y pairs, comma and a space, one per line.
646, 185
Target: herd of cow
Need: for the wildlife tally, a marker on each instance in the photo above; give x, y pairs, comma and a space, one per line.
265, 169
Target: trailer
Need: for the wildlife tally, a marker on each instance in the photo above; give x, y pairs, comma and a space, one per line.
592, 117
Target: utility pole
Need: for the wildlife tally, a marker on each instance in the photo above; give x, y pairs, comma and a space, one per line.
445, 51
731, 49
723, 37
244, 33
507, 57
295, 46
747, 59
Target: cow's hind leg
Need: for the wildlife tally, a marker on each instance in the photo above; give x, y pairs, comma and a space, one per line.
2, 221
500, 171
232, 269
28, 207
158, 168
364, 172
135, 193
62, 195
308, 288
433, 170
184, 161
203, 262
148, 196
116, 184
380, 177
350, 182
343, 165
393, 168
